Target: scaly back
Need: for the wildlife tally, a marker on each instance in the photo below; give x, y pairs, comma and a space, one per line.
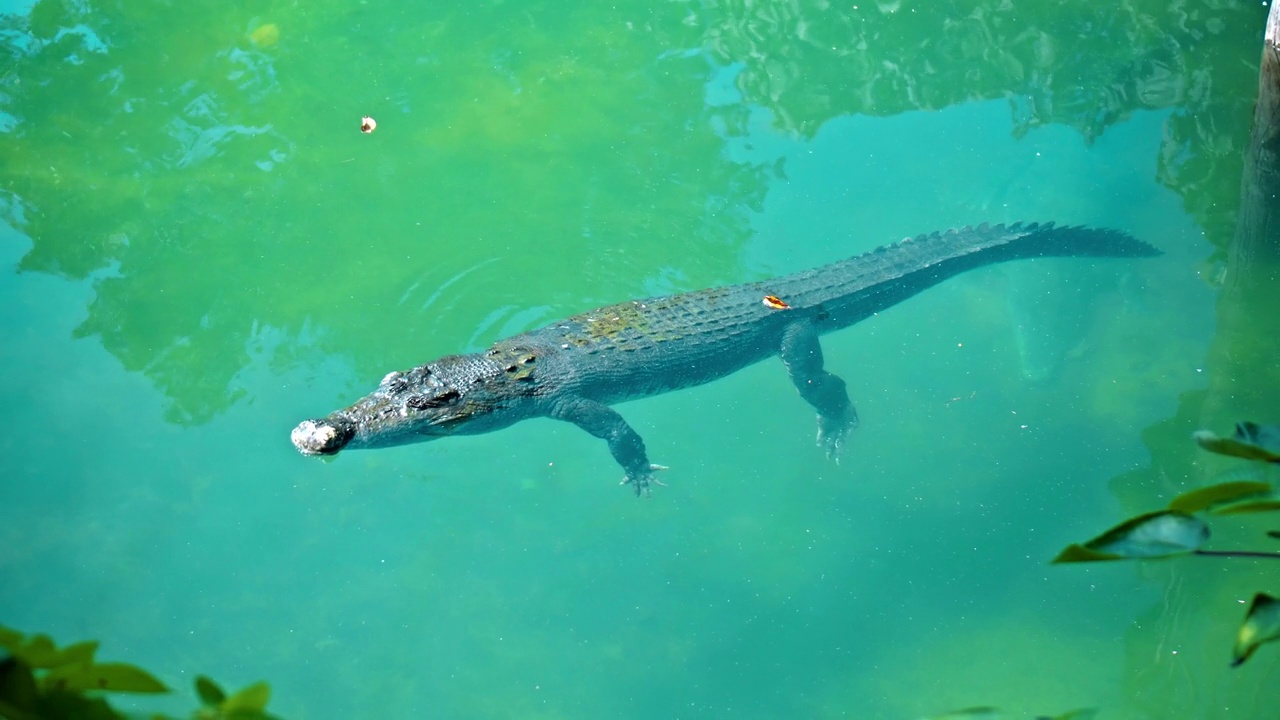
853, 289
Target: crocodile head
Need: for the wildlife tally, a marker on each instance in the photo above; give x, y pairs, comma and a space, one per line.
459, 394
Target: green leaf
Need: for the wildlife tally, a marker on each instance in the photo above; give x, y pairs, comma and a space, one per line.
9, 638
81, 652
1206, 497
254, 697
1079, 553
210, 694
114, 677
1261, 624
1251, 442
1249, 506
1264, 436
40, 653
18, 691
1152, 535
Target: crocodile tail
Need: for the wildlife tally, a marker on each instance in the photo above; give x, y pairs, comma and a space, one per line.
1048, 240
953, 251
852, 289
997, 243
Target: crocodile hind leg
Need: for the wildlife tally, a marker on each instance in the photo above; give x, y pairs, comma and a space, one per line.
802, 354
625, 443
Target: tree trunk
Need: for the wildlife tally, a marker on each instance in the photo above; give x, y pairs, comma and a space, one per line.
1244, 358
1257, 239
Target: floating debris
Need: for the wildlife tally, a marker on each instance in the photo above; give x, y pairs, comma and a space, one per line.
775, 302
368, 125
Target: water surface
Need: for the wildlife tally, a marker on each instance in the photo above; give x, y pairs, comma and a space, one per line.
202, 249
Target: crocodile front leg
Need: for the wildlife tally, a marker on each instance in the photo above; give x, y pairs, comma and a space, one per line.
624, 442
802, 354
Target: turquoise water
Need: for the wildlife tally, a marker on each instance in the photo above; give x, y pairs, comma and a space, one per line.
202, 249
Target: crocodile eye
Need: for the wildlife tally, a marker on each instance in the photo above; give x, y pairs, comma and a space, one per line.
394, 382
422, 402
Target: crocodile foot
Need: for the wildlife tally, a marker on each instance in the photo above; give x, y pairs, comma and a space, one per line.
643, 481
832, 433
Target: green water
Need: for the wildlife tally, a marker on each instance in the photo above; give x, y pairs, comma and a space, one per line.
201, 249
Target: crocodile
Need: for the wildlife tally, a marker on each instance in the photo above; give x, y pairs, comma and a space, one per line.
574, 369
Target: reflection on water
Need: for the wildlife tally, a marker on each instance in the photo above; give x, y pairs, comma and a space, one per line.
489, 161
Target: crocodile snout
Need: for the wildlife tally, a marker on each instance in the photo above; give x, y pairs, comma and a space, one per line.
322, 436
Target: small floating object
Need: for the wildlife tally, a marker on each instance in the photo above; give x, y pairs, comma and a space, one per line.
775, 302
368, 125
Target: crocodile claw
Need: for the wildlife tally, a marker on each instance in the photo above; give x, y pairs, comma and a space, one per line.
644, 481
832, 434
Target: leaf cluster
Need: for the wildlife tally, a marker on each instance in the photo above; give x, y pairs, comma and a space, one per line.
41, 681
1182, 528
